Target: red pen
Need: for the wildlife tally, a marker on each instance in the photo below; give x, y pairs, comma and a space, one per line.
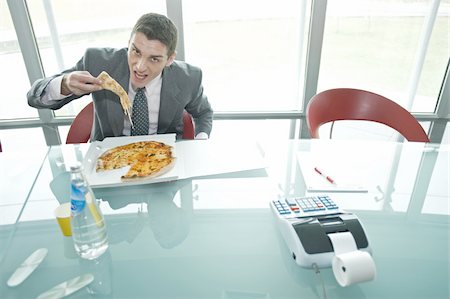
325, 176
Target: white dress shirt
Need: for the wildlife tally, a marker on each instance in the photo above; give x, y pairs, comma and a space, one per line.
153, 93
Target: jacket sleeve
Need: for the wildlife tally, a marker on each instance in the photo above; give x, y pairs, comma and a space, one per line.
199, 107
37, 91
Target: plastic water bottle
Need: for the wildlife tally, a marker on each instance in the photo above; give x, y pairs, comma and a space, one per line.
88, 226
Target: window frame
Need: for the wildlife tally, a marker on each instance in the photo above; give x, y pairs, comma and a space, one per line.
50, 123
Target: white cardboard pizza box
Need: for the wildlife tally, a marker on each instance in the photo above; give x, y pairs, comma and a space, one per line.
193, 159
112, 178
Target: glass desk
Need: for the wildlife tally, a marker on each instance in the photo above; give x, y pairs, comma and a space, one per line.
214, 236
18, 173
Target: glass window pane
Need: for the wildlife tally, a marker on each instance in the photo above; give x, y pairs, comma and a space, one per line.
63, 132
362, 130
376, 45
15, 139
437, 55
251, 129
104, 24
251, 52
13, 100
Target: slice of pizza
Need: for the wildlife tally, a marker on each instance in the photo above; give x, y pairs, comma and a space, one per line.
110, 84
149, 168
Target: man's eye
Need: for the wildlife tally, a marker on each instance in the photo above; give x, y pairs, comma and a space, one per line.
153, 59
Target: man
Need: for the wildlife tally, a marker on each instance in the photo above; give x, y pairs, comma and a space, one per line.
146, 68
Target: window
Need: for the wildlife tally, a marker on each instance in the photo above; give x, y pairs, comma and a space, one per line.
250, 51
17, 139
251, 129
66, 28
13, 78
391, 47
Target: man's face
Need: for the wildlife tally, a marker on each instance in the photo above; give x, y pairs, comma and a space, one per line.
146, 59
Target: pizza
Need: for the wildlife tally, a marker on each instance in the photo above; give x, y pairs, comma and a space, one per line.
110, 84
146, 159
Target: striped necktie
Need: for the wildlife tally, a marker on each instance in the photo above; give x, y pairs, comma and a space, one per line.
139, 116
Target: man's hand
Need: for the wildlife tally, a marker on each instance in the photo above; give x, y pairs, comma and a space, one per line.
201, 136
79, 83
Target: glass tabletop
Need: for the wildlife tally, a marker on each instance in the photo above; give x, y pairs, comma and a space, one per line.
214, 236
18, 173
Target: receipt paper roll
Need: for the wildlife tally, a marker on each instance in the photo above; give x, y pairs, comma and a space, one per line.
350, 265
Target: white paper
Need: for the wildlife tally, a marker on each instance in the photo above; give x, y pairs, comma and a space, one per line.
350, 265
347, 177
353, 267
209, 157
342, 242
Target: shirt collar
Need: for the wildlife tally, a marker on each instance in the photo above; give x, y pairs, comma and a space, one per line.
149, 85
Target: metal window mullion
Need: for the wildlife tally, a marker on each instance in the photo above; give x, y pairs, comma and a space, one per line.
313, 55
175, 13
422, 51
54, 34
437, 129
30, 53
299, 63
237, 115
443, 107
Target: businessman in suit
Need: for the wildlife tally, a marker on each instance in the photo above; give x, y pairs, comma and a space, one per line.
146, 68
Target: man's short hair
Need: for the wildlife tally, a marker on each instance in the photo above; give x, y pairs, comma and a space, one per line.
158, 27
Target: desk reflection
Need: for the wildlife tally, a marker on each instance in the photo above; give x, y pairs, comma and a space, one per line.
169, 222
102, 270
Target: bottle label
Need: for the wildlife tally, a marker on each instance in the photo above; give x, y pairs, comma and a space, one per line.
77, 200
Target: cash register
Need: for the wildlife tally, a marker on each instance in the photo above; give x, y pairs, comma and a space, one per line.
306, 222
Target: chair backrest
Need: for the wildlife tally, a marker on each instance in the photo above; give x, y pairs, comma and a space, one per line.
188, 126
81, 127
80, 130
355, 104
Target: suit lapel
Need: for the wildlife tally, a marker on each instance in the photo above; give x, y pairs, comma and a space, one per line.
169, 102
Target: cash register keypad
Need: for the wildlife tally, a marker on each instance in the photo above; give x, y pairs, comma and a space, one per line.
304, 206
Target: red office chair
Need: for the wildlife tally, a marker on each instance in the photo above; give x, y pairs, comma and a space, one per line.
355, 104
188, 126
80, 130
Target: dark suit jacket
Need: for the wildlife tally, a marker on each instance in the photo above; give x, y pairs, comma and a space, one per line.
181, 89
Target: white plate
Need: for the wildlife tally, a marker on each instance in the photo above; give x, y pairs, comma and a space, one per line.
112, 178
